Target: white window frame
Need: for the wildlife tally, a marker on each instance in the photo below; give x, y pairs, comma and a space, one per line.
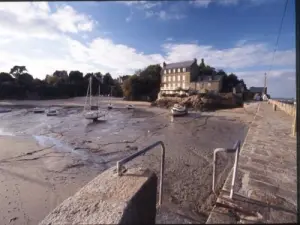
183, 78
173, 78
169, 71
174, 70
178, 70
165, 71
184, 70
178, 78
165, 79
169, 78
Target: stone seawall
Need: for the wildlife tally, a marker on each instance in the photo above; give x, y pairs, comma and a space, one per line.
287, 108
110, 199
266, 182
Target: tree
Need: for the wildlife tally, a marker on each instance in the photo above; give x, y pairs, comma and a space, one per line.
5, 77
17, 70
75, 77
62, 76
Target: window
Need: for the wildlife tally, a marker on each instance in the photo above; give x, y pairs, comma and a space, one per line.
208, 84
178, 77
178, 70
173, 78
169, 70
165, 78
174, 71
183, 86
169, 78
183, 78
183, 69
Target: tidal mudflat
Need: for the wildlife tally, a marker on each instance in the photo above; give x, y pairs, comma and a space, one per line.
44, 159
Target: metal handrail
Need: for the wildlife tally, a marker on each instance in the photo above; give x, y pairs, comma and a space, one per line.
236, 149
141, 152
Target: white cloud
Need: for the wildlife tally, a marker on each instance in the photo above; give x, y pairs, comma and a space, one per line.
39, 21
152, 9
234, 58
143, 4
200, 3
206, 3
42, 55
280, 83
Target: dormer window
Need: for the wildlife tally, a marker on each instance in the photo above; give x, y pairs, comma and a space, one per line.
174, 71
183, 70
178, 70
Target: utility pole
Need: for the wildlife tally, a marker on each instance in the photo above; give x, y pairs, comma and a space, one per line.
265, 84
297, 13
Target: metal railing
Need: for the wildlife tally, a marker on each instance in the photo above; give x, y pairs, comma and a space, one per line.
120, 164
236, 149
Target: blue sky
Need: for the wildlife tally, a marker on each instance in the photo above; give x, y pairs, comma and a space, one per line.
120, 37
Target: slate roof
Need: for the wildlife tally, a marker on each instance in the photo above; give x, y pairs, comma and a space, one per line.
179, 64
256, 89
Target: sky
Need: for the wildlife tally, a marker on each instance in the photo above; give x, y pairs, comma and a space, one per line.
121, 37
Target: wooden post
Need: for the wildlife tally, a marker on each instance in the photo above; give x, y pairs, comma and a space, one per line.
274, 107
294, 126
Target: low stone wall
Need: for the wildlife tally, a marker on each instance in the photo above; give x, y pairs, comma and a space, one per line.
110, 199
287, 108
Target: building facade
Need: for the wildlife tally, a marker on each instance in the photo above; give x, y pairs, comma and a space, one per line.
178, 76
209, 83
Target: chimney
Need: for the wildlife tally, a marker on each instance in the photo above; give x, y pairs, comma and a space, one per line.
195, 60
164, 65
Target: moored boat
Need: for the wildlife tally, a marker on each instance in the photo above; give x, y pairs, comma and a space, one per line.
178, 110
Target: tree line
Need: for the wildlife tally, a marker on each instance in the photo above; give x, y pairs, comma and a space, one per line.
143, 85
19, 84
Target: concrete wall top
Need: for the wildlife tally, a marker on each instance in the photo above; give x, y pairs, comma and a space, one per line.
110, 199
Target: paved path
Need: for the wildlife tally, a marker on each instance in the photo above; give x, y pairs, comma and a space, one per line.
266, 184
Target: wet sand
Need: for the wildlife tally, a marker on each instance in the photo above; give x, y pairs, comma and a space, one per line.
78, 150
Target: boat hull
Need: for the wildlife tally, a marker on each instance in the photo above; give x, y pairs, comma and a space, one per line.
178, 111
93, 115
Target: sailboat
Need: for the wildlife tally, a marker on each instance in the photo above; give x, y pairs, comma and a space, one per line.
89, 113
110, 106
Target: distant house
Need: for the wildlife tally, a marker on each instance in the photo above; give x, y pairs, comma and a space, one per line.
178, 76
258, 90
210, 83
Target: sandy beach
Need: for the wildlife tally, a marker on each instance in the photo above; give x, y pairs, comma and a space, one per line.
44, 159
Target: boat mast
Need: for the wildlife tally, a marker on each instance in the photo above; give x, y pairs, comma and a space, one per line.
91, 91
98, 103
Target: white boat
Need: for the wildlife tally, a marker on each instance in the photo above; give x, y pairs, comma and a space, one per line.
110, 106
130, 106
89, 113
38, 110
178, 110
5, 110
52, 112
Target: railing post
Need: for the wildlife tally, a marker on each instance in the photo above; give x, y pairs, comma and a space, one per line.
141, 152
235, 149
162, 169
235, 166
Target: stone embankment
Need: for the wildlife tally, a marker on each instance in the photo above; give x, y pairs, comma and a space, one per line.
287, 108
208, 101
266, 184
110, 199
